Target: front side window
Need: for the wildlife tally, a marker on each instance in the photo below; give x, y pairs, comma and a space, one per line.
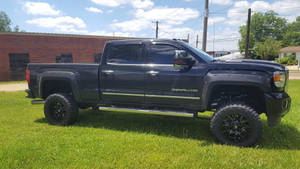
162, 54
125, 54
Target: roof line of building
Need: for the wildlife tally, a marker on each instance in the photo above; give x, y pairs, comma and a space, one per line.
66, 35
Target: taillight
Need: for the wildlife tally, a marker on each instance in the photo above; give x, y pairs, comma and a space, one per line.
28, 75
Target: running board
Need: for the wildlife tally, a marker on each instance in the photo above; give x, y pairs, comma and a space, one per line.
145, 110
37, 101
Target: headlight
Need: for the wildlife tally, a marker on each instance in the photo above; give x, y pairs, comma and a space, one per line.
279, 79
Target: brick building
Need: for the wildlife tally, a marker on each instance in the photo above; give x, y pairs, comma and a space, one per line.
19, 49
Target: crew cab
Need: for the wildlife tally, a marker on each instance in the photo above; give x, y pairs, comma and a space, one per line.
166, 75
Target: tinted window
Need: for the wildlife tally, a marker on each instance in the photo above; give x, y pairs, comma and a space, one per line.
127, 54
162, 54
64, 58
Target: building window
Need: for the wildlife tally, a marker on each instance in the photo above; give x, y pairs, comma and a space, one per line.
97, 57
18, 63
64, 58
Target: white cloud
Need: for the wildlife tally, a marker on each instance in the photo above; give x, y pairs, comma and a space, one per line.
110, 3
40, 8
93, 9
132, 25
168, 15
116, 3
287, 8
214, 20
142, 3
221, 2
60, 24
105, 33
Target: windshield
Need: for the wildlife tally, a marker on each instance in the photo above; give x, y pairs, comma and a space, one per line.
198, 52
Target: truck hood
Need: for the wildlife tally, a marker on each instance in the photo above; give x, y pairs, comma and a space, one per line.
248, 64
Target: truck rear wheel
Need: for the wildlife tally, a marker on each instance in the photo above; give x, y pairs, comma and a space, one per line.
60, 109
236, 124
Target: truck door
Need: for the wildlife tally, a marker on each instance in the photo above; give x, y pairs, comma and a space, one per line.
168, 86
122, 74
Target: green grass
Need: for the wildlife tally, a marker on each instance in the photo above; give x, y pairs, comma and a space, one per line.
12, 82
128, 139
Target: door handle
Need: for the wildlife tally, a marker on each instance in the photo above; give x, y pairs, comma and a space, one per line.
153, 73
107, 72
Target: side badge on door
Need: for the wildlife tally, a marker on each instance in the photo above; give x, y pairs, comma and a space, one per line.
184, 90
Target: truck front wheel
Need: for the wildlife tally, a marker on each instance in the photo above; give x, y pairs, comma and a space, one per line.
60, 109
236, 124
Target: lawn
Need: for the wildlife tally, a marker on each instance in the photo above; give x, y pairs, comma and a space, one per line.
129, 139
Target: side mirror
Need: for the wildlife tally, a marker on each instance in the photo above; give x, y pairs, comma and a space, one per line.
182, 61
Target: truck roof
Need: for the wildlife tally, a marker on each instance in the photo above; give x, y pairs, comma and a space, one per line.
140, 41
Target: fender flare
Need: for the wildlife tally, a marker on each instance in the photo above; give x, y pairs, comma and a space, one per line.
69, 77
258, 80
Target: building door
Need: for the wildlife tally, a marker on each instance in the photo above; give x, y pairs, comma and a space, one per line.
18, 63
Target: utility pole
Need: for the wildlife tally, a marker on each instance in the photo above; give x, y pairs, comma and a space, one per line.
156, 29
205, 26
197, 41
188, 38
248, 33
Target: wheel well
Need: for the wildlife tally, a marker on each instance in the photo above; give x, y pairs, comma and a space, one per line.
55, 86
226, 94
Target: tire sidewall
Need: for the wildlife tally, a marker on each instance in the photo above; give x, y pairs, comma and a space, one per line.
71, 110
251, 116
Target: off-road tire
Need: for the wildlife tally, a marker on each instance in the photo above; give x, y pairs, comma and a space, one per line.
60, 109
236, 124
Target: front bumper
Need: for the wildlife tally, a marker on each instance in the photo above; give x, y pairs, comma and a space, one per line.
278, 105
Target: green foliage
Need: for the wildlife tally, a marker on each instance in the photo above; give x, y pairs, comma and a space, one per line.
129, 139
5, 24
263, 26
267, 50
288, 60
266, 26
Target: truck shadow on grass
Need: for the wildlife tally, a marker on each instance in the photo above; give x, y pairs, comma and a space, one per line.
282, 136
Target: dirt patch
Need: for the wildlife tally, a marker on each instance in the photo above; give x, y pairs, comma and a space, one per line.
13, 87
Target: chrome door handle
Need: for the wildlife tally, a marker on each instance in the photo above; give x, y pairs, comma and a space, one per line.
153, 73
107, 71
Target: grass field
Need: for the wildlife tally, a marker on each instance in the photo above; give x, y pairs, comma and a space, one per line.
128, 139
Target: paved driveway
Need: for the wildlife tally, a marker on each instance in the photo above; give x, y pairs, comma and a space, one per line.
13, 87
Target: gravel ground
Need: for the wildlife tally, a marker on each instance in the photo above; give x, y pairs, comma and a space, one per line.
13, 87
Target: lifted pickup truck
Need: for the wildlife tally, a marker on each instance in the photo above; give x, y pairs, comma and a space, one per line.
168, 75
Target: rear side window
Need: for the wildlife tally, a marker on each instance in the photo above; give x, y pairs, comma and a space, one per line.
162, 54
125, 54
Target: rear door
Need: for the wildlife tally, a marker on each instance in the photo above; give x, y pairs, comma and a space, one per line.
122, 74
168, 86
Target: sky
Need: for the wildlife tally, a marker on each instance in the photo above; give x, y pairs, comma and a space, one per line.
136, 18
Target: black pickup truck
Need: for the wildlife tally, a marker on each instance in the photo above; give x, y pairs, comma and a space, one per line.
167, 75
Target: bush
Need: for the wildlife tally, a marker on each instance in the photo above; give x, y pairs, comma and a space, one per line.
288, 60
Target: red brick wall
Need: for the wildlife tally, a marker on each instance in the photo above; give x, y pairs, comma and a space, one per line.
43, 48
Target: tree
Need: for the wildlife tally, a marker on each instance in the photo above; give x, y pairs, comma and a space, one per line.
5, 24
263, 26
292, 36
267, 50
291, 39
